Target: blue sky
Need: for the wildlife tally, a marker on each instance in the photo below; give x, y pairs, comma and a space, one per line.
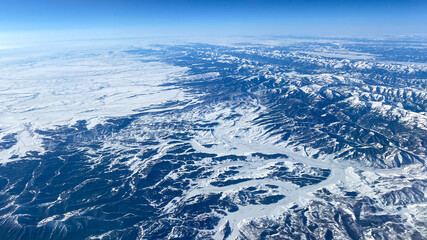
205, 17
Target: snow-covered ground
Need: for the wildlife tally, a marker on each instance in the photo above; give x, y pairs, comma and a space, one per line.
42, 90
230, 144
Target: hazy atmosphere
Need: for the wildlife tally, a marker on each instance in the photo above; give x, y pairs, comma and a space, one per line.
154, 18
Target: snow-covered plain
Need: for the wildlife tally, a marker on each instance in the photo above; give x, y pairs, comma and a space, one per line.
44, 90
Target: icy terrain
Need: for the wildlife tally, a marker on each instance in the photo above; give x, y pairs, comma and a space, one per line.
283, 139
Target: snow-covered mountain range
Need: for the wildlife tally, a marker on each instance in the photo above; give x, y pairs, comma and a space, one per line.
301, 139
